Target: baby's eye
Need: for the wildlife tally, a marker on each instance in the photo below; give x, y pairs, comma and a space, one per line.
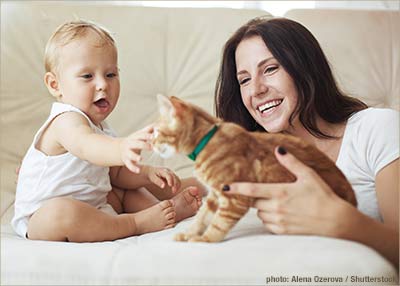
111, 75
270, 69
86, 76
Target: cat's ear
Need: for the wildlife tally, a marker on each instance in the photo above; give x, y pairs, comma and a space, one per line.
179, 106
165, 105
170, 106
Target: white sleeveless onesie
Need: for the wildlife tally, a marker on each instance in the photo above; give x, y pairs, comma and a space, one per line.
44, 177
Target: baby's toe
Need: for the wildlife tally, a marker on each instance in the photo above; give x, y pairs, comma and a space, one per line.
166, 204
170, 215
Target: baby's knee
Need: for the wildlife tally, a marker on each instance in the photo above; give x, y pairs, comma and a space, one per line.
54, 219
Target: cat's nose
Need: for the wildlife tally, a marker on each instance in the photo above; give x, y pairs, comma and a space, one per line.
155, 133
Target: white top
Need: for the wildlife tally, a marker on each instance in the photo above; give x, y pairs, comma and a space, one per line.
43, 177
370, 142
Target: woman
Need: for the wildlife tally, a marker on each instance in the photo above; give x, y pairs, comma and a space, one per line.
274, 77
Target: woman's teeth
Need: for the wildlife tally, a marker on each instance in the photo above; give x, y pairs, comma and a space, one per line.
269, 105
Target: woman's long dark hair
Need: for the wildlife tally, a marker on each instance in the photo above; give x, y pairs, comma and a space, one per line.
300, 54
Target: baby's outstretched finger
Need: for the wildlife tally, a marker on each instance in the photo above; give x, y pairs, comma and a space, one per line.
139, 145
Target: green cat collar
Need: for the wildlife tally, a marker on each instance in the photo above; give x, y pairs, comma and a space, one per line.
203, 143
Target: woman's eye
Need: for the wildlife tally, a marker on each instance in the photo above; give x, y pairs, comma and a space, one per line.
270, 69
86, 76
243, 81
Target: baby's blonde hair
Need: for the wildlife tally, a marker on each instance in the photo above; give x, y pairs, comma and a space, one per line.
68, 32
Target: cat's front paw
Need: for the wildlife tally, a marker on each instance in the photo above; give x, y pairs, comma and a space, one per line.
198, 238
181, 237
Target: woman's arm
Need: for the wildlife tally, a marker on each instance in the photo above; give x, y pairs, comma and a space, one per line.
309, 206
383, 237
372, 233
387, 192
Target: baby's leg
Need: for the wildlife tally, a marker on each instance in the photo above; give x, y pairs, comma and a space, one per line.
145, 197
187, 200
141, 202
166, 193
66, 219
137, 200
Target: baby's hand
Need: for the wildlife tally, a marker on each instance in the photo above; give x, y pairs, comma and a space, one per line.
162, 176
131, 147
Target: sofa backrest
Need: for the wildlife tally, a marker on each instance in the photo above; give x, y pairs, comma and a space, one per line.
363, 48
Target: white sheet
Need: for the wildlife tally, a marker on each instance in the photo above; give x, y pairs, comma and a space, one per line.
248, 256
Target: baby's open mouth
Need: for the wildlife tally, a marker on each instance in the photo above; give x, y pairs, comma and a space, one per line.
102, 103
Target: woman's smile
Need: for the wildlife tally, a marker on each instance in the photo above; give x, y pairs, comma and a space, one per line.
269, 107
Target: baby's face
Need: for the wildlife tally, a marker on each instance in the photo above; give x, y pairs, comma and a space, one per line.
88, 76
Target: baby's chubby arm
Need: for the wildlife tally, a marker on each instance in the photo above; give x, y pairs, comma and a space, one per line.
73, 133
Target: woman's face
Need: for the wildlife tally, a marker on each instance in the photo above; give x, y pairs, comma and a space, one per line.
267, 90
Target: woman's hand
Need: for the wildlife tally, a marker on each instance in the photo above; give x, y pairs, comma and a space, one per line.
162, 177
306, 206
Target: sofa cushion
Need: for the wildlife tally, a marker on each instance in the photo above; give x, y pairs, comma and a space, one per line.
248, 256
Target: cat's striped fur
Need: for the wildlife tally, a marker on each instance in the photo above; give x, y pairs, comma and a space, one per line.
233, 154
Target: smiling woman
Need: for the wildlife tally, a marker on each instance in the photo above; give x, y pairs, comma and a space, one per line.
272, 57
275, 78
260, 73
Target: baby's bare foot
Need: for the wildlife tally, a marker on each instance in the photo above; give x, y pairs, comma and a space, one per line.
158, 217
186, 203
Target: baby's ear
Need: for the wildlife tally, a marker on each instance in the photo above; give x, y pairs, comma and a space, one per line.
51, 83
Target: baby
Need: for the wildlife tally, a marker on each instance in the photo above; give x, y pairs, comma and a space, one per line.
78, 182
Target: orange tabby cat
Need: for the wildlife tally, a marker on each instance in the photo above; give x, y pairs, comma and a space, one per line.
225, 153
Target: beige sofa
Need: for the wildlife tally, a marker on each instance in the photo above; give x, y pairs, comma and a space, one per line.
177, 52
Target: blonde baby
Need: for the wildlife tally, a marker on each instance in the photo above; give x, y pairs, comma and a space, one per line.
78, 181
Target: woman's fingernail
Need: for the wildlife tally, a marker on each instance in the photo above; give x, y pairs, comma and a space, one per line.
282, 150
226, 188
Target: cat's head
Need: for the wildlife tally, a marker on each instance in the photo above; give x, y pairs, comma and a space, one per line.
179, 126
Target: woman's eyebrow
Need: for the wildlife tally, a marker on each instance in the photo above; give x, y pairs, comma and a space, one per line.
264, 61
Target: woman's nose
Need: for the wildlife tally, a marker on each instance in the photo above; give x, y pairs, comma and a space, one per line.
259, 87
